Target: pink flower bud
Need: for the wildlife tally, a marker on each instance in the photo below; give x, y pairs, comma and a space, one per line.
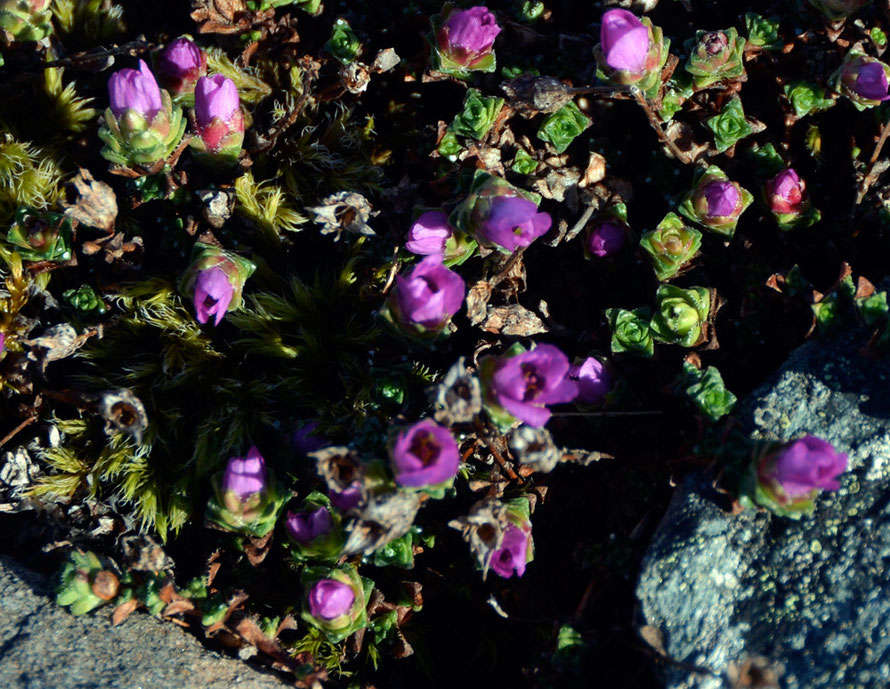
213, 294
606, 238
245, 476
429, 233
330, 599
594, 380
132, 89
218, 115
512, 557
467, 36
625, 41
180, 65
305, 527
722, 198
786, 192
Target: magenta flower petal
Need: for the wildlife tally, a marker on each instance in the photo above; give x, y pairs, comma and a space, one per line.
514, 222
468, 35
786, 192
722, 197
593, 380
625, 41
329, 599
606, 239
180, 64
871, 81
215, 96
305, 527
429, 295
424, 454
213, 294
512, 556
245, 476
807, 464
131, 89
524, 383
429, 233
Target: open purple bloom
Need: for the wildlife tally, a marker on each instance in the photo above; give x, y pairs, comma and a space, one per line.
345, 500
512, 556
523, 384
181, 64
429, 233
871, 81
723, 199
593, 379
424, 454
245, 476
514, 222
330, 599
213, 294
305, 527
804, 465
134, 89
429, 295
468, 35
625, 41
606, 238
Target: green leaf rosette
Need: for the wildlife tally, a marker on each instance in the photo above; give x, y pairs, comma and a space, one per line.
730, 126
649, 79
355, 618
707, 392
313, 7
763, 32
562, 127
84, 584
343, 43
478, 115
715, 56
695, 205
681, 315
25, 20
806, 98
133, 141
631, 333
41, 235
671, 245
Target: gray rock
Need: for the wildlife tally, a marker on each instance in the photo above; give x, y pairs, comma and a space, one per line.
42, 646
811, 596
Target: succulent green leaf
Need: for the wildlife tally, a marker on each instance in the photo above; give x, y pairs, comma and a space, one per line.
563, 126
707, 391
680, 315
763, 32
730, 126
343, 43
806, 97
631, 331
478, 115
671, 245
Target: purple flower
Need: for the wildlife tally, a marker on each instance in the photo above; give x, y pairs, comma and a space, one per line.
785, 192
625, 41
722, 198
180, 65
213, 293
330, 599
245, 476
593, 379
345, 500
512, 556
523, 384
606, 238
429, 233
305, 527
132, 89
871, 81
513, 222
218, 117
467, 36
424, 454
428, 296
2, 342
804, 465
305, 439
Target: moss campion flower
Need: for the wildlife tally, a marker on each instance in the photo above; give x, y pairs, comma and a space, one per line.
424, 300
335, 601
141, 125
631, 51
180, 65
429, 233
305, 527
863, 79
464, 41
716, 202
218, 119
330, 599
789, 478
512, 557
606, 238
214, 281
213, 294
424, 455
593, 379
513, 222
245, 476
521, 384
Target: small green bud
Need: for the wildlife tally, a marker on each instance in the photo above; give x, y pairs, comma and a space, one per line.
715, 56
563, 126
763, 32
707, 391
631, 332
670, 246
343, 43
730, 126
41, 235
681, 315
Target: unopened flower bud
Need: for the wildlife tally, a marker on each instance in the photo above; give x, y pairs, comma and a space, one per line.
218, 119
606, 238
180, 65
464, 41
594, 380
631, 51
681, 315
247, 499
717, 56
863, 79
215, 281
716, 202
786, 196
335, 601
